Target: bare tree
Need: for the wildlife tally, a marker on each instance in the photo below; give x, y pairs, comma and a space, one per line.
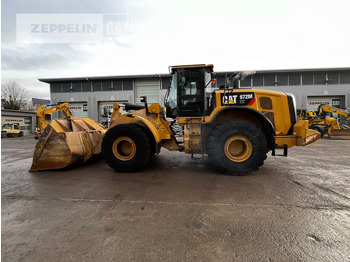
12, 95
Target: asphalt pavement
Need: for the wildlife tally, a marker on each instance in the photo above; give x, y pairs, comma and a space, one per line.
295, 208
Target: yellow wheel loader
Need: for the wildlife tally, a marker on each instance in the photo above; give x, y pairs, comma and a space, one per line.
324, 120
234, 127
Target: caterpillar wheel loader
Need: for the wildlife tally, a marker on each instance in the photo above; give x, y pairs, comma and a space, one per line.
235, 127
324, 121
42, 112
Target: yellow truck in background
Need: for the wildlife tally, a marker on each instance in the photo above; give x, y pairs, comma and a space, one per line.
11, 130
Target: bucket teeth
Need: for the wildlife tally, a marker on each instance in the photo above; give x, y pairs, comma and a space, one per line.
65, 142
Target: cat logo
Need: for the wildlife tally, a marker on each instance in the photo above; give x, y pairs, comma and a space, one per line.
229, 99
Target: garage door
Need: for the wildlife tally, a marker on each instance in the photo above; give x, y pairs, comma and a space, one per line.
149, 88
314, 101
77, 109
106, 107
25, 123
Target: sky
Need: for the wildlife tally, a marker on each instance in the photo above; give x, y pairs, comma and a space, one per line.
154, 34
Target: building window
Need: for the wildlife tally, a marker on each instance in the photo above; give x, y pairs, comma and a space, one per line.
247, 82
294, 79
166, 82
282, 79
269, 80
258, 80
66, 87
308, 78
220, 81
320, 78
96, 86
345, 77
333, 78
128, 85
76, 86
56, 87
86, 86
117, 85
107, 86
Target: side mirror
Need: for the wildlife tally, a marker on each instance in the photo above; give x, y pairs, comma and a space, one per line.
143, 99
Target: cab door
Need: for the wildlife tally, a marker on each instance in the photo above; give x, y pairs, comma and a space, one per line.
190, 92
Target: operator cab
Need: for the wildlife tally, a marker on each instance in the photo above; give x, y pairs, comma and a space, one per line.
189, 91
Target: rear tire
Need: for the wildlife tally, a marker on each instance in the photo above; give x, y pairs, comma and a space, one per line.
20, 134
237, 147
126, 148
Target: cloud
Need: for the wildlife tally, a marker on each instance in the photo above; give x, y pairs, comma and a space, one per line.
235, 35
40, 57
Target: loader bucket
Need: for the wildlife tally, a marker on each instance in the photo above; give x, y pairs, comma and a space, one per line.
65, 142
343, 134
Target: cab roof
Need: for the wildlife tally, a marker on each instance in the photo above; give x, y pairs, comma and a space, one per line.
172, 69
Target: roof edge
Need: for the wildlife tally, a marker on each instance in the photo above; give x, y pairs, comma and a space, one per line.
92, 78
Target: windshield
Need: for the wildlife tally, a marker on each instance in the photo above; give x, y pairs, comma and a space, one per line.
6, 126
330, 114
207, 81
172, 97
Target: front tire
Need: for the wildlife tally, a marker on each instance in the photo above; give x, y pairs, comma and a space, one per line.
126, 148
319, 128
237, 147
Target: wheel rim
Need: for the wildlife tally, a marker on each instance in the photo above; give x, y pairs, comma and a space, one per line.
124, 148
238, 148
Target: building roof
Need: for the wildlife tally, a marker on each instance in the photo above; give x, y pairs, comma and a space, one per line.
92, 78
12, 112
39, 101
267, 71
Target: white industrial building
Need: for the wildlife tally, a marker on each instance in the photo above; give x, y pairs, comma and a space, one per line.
89, 95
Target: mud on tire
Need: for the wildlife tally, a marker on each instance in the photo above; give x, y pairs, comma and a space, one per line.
126, 148
237, 147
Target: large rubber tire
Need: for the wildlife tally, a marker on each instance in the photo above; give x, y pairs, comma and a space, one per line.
126, 148
20, 134
319, 129
237, 147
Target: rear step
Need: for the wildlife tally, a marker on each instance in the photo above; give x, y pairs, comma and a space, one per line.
284, 147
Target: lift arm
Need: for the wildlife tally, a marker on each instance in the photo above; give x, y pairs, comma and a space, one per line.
324, 108
42, 112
